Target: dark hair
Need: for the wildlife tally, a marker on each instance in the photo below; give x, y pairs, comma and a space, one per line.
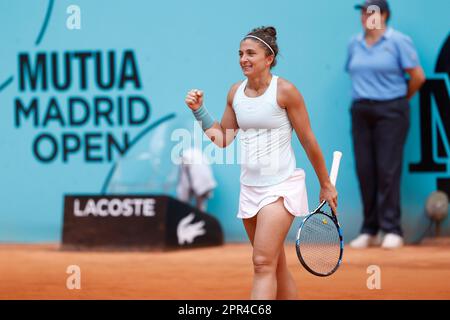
269, 35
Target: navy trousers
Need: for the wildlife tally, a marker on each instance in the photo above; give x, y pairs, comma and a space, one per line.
379, 130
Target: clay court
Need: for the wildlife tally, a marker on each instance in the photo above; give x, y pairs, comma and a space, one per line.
39, 272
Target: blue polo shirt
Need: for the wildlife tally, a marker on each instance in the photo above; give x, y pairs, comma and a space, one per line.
378, 71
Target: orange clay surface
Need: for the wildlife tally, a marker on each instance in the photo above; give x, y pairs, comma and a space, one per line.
38, 271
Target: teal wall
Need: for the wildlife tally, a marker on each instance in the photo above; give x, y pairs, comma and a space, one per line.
179, 45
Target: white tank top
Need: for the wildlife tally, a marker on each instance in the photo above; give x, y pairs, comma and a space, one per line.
267, 156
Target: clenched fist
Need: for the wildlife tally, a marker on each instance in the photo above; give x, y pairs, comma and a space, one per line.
194, 99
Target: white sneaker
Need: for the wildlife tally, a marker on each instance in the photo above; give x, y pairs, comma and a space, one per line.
365, 240
392, 241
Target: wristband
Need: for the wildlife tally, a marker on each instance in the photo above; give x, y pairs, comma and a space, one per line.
202, 116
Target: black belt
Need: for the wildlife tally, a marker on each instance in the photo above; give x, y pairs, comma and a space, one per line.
372, 101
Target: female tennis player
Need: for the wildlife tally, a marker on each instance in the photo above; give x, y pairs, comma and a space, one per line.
266, 108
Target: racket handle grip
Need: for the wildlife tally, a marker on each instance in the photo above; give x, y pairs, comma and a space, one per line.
337, 155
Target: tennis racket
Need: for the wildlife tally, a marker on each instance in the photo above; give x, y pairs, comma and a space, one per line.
319, 242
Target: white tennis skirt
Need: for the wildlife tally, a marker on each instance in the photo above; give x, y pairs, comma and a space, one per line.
292, 190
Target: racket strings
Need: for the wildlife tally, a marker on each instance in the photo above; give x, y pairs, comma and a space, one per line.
319, 243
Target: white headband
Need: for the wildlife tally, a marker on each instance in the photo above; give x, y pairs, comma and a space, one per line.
252, 36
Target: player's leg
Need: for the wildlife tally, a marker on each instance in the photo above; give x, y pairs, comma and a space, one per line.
272, 225
250, 227
286, 287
